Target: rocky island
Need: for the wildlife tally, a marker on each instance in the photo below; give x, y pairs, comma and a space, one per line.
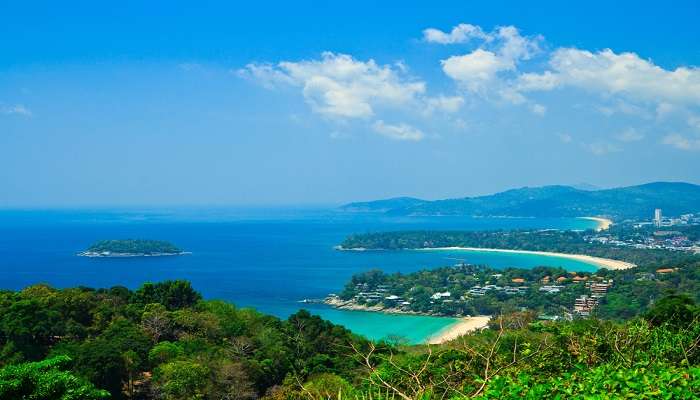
132, 248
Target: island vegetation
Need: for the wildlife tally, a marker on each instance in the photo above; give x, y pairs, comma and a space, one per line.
131, 248
557, 241
163, 341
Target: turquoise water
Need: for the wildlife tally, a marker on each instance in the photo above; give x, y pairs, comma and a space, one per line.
269, 259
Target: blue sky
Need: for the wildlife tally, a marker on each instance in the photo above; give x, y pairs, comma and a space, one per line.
171, 103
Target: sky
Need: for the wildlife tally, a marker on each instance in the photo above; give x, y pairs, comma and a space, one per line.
221, 103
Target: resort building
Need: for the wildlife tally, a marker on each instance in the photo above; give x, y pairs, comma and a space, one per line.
584, 305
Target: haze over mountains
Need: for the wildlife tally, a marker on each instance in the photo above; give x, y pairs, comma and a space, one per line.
673, 198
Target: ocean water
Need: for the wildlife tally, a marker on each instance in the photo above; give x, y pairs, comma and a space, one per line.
270, 259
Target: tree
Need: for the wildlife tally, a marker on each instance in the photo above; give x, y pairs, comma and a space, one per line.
46, 380
181, 380
678, 311
172, 294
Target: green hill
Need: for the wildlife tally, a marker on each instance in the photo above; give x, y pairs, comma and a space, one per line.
553, 201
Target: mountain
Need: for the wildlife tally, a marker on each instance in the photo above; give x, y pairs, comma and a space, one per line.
673, 198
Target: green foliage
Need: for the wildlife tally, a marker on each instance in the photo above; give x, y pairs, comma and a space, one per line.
46, 380
191, 348
326, 386
657, 381
133, 347
677, 311
181, 380
172, 294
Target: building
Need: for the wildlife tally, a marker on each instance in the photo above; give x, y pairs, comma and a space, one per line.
666, 270
657, 217
584, 305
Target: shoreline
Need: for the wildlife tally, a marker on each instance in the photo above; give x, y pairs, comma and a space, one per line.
349, 305
598, 261
462, 327
603, 223
91, 254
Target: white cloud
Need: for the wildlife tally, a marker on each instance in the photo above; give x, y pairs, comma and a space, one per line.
460, 34
629, 135
483, 69
533, 81
515, 47
681, 142
623, 74
17, 109
339, 86
398, 132
476, 69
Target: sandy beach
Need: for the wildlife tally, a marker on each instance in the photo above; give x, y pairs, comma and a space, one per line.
603, 223
464, 326
600, 262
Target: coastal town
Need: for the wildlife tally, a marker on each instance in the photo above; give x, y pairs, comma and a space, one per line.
677, 233
464, 290
475, 290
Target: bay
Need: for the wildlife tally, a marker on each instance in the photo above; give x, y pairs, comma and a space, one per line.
266, 258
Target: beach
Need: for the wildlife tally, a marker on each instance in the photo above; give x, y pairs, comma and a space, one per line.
598, 261
461, 327
603, 223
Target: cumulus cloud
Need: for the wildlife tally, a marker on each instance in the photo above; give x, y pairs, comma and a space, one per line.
681, 142
17, 109
460, 34
476, 69
337, 85
398, 132
485, 70
624, 74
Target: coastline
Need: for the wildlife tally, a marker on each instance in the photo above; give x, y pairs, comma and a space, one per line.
349, 305
460, 328
598, 261
603, 223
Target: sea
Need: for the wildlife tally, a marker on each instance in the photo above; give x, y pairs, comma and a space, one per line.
271, 259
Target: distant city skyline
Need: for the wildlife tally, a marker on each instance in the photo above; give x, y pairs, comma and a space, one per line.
323, 103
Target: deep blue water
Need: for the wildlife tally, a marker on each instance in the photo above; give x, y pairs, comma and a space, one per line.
265, 258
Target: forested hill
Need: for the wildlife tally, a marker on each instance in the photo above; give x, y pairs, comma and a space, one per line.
553, 201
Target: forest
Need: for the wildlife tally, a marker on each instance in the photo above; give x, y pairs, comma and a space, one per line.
163, 341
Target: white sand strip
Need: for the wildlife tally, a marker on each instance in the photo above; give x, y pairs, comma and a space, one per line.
599, 261
459, 328
603, 223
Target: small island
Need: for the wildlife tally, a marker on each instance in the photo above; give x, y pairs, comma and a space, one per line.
132, 248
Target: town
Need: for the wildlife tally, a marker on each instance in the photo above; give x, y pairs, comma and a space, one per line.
681, 233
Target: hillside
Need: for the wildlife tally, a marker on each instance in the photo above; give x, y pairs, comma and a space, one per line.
553, 201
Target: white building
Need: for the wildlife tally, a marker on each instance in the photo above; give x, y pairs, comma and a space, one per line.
657, 217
